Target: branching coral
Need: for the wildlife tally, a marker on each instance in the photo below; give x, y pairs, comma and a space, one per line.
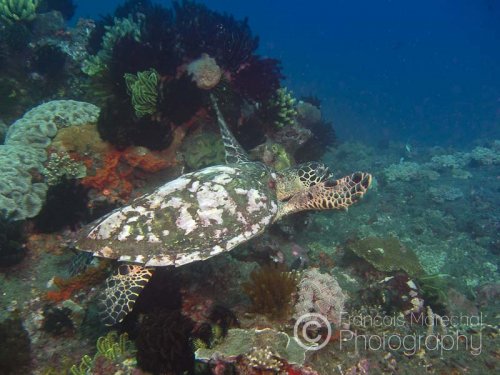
271, 290
143, 90
17, 10
61, 166
284, 103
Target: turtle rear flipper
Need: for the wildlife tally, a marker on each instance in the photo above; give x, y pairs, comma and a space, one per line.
329, 194
122, 290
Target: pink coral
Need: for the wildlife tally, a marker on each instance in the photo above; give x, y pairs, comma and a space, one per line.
320, 293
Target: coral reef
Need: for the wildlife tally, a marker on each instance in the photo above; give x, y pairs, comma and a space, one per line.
66, 7
97, 64
202, 30
15, 349
254, 343
163, 343
49, 61
386, 254
12, 239
205, 72
202, 149
319, 293
66, 288
66, 206
22, 193
271, 289
18, 10
60, 166
284, 103
258, 79
115, 354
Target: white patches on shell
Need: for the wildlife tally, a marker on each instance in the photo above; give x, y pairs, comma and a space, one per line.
140, 259
256, 201
125, 258
235, 241
165, 232
213, 200
174, 202
194, 186
108, 226
240, 191
153, 238
222, 179
156, 198
106, 252
185, 258
216, 250
125, 233
185, 220
159, 261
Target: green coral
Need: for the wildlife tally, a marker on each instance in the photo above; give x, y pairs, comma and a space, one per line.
112, 347
17, 10
284, 103
98, 64
387, 255
143, 90
61, 166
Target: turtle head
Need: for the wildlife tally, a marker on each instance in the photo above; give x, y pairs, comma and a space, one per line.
311, 187
296, 179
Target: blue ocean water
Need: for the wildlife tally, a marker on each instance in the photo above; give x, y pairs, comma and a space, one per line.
425, 72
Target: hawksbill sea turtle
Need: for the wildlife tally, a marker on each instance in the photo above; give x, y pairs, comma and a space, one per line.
205, 213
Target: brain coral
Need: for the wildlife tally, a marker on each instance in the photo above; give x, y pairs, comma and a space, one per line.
22, 190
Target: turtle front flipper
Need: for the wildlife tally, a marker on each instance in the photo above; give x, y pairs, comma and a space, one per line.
122, 290
328, 195
234, 152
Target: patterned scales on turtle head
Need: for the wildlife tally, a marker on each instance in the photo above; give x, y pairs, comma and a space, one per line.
217, 207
